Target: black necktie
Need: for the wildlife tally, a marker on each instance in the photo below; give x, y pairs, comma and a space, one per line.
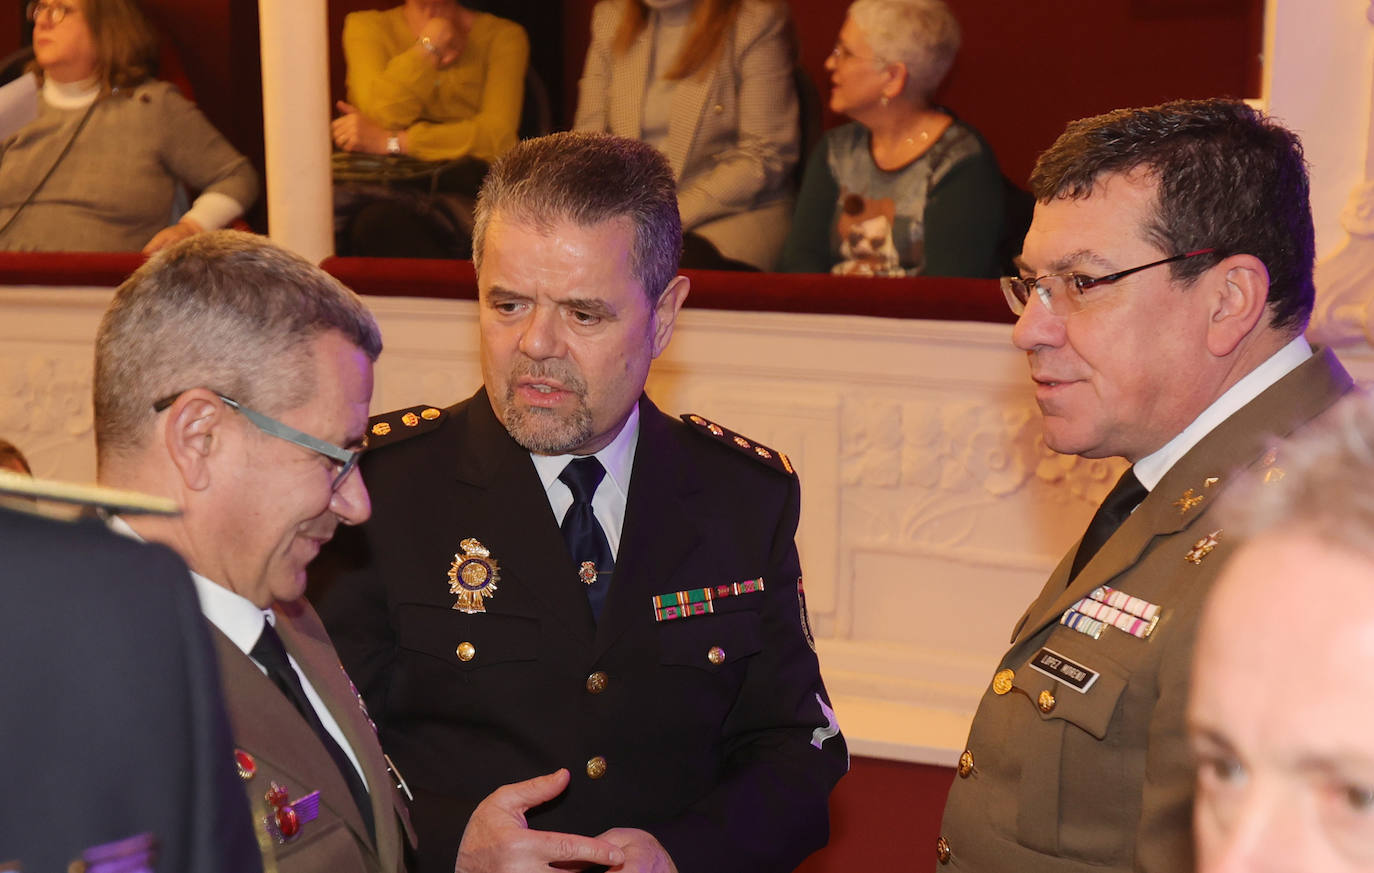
1115, 509
270, 653
587, 543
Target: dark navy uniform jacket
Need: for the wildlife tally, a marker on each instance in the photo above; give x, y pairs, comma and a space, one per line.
713, 732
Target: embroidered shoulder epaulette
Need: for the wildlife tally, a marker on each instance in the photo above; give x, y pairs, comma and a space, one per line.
759, 452
392, 427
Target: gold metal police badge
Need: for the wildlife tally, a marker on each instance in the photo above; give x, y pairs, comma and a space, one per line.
472, 576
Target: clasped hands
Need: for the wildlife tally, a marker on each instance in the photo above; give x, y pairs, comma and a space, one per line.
353, 131
499, 840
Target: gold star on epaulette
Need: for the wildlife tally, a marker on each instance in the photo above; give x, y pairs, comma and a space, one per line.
723, 435
397, 425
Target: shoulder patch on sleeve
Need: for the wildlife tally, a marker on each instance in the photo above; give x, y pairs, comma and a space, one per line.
392, 427
759, 452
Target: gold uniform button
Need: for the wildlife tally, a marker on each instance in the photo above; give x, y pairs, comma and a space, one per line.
965, 764
716, 655
1001, 683
1045, 701
596, 682
466, 651
942, 850
596, 767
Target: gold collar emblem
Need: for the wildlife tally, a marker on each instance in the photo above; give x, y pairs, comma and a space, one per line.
472, 576
1203, 547
1189, 500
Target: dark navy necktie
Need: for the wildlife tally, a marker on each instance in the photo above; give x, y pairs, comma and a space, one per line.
1124, 497
271, 654
587, 543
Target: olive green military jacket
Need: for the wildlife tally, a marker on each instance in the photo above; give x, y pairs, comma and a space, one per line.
1083, 764
275, 745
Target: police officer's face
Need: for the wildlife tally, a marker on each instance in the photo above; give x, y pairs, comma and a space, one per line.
1280, 712
567, 331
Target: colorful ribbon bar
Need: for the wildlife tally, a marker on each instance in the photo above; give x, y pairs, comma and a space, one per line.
1081, 623
1117, 618
699, 601
1123, 601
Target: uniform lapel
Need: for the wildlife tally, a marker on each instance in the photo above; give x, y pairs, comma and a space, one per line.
1238, 442
516, 511
307, 642
659, 533
267, 726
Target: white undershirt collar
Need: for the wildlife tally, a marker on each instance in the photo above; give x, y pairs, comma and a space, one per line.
70, 95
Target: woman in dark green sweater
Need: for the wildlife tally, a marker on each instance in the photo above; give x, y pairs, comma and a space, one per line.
907, 189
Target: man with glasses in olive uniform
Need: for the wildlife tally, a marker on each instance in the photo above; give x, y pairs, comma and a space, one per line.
234, 378
1165, 284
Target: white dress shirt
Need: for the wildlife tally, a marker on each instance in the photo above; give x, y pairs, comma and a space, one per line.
608, 504
239, 619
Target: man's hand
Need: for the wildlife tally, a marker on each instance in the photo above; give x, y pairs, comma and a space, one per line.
498, 840
168, 235
355, 132
643, 852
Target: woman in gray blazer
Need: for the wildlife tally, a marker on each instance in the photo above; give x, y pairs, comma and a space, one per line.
709, 83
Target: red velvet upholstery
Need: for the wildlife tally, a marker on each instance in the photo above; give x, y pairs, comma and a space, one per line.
70, 269
936, 299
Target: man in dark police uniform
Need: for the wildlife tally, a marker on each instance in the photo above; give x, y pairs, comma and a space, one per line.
1166, 283
514, 608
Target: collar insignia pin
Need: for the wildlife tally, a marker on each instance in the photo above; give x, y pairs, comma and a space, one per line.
1203, 547
1189, 500
472, 576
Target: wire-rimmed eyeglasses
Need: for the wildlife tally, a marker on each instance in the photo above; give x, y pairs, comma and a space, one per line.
344, 459
1062, 293
55, 12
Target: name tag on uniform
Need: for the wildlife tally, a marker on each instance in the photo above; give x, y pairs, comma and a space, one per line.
1069, 672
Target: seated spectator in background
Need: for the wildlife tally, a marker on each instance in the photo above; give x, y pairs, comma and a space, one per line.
708, 83
99, 168
1287, 783
438, 82
12, 459
907, 189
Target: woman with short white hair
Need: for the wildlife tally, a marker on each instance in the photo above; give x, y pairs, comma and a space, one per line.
907, 189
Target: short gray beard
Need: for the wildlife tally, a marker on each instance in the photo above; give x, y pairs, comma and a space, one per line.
540, 430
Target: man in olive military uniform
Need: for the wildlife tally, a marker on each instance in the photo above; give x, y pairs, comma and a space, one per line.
560, 577
1166, 281
234, 378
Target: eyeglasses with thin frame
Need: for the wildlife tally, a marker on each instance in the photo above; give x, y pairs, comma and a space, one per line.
1062, 293
344, 459
842, 53
55, 12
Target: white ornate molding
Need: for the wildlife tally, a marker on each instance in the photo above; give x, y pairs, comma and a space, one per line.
932, 510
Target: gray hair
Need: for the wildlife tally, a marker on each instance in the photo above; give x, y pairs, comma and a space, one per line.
922, 34
587, 179
1318, 483
227, 311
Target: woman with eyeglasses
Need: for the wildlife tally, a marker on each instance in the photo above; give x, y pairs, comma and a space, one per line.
709, 83
907, 189
99, 168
